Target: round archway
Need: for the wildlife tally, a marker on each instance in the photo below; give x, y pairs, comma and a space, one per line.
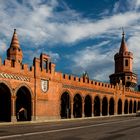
138, 106
96, 106
111, 106
119, 106
88, 106
130, 106
5, 103
23, 104
135, 106
77, 106
104, 106
126, 107
65, 106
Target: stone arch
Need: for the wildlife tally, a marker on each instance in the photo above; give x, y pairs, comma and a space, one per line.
111, 106
97, 106
65, 105
130, 106
119, 106
104, 106
135, 107
88, 106
23, 103
126, 107
5, 102
77, 106
8, 85
24, 85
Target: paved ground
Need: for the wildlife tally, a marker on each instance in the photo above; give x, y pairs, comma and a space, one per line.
124, 128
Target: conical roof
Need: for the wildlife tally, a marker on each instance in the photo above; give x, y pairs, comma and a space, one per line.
14, 42
123, 47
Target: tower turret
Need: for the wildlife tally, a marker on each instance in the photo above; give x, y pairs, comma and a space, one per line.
124, 67
14, 53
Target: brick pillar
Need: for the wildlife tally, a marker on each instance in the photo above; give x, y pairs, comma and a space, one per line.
33, 110
122, 107
72, 109
83, 103
116, 107
108, 107
92, 109
100, 107
13, 112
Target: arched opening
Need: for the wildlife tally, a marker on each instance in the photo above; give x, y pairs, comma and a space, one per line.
119, 106
65, 106
111, 106
130, 106
126, 107
96, 106
138, 107
23, 104
104, 106
88, 106
5, 103
135, 106
77, 107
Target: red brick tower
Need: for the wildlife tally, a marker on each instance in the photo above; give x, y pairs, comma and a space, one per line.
14, 53
123, 67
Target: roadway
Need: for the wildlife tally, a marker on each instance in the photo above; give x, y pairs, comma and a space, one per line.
120, 128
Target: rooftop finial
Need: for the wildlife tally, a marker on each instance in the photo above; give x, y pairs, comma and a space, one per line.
123, 34
14, 30
123, 47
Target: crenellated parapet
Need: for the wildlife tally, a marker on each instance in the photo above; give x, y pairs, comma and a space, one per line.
74, 81
15, 70
124, 54
70, 79
43, 66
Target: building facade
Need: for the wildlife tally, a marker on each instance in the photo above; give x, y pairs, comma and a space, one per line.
41, 93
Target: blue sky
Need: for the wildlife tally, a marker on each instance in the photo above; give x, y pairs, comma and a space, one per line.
79, 35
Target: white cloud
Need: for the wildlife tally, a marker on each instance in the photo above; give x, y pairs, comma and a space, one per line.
29, 55
3, 47
127, 5
133, 45
40, 23
91, 59
81, 30
54, 56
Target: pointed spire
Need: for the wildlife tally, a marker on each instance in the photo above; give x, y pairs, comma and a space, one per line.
123, 47
14, 53
15, 42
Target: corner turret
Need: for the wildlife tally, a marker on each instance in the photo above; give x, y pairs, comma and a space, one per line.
14, 53
124, 67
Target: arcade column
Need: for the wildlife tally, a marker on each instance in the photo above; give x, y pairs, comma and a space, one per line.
13, 111
72, 109
83, 104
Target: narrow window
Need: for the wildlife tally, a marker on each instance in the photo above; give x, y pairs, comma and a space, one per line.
126, 62
13, 63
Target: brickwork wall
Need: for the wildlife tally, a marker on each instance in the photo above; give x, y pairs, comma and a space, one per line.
46, 105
